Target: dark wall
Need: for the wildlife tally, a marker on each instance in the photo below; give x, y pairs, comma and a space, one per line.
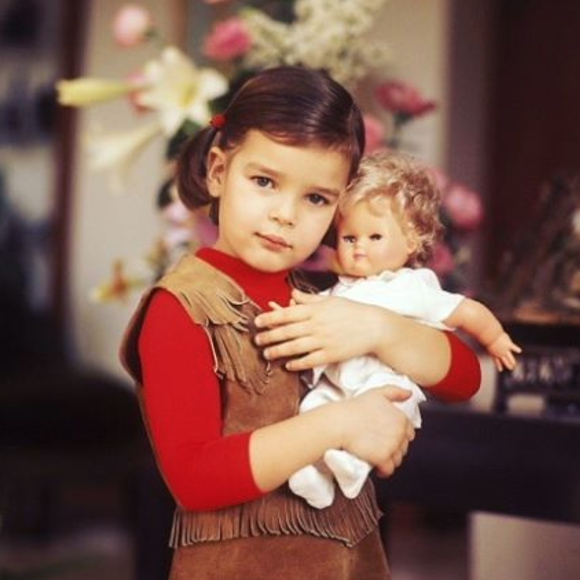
534, 117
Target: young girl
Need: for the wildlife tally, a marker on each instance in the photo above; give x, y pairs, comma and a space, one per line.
222, 415
386, 226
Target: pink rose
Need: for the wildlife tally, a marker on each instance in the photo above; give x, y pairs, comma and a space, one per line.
400, 98
442, 260
228, 39
441, 180
463, 207
131, 24
374, 133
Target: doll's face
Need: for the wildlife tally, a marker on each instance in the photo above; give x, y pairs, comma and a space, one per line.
276, 201
371, 240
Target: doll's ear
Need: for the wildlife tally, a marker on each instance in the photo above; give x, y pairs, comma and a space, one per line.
216, 171
413, 243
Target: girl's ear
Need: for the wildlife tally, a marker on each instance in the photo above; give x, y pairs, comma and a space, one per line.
216, 170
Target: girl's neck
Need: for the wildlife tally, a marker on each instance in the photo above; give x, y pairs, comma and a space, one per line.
261, 287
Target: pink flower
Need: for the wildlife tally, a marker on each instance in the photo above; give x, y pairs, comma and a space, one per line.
400, 98
131, 24
441, 179
463, 207
176, 213
228, 39
442, 260
374, 133
206, 231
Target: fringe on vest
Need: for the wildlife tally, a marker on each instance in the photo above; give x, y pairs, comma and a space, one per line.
224, 312
349, 521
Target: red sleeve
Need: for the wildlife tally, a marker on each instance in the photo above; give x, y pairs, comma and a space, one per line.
463, 378
203, 469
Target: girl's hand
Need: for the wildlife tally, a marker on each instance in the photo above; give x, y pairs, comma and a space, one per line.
375, 430
502, 351
318, 330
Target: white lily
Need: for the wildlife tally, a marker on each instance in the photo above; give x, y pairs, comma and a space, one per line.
178, 90
89, 91
116, 152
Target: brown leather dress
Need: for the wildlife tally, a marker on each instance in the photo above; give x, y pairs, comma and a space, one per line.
278, 535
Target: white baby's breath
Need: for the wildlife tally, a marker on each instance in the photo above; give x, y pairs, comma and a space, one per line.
326, 34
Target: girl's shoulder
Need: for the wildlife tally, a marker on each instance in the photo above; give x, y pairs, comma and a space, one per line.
206, 293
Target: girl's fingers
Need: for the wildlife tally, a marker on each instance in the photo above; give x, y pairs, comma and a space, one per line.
305, 363
281, 334
290, 348
281, 316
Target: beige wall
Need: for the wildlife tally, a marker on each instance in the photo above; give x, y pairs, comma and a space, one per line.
417, 32
107, 225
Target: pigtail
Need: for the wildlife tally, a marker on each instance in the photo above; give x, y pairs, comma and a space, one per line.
191, 170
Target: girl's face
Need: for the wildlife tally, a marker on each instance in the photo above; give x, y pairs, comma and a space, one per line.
370, 242
276, 201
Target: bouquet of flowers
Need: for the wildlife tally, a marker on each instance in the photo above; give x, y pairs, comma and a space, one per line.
181, 96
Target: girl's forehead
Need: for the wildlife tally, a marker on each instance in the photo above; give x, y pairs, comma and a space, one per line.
318, 162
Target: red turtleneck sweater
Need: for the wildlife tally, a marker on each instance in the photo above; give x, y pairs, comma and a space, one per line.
203, 469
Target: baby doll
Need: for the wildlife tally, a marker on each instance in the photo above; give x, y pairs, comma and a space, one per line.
386, 225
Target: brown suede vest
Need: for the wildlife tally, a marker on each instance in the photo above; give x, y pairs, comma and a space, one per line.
254, 394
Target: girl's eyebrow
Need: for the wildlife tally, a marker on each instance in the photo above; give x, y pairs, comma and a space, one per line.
276, 174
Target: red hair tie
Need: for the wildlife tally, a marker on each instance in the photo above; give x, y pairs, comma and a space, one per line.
217, 121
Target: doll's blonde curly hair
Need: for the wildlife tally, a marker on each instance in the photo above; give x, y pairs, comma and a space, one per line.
411, 191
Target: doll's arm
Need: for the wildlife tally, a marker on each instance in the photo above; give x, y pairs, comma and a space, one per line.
478, 321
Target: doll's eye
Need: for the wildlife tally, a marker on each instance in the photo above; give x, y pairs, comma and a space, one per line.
348, 239
376, 237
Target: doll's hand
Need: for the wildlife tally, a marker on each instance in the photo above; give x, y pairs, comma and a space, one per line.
502, 351
376, 430
318, 330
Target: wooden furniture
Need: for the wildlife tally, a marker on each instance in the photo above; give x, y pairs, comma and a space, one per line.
477, 459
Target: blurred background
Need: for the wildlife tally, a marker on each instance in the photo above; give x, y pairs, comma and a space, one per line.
485, 92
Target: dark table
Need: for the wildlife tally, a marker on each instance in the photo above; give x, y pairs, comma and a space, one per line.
474, 459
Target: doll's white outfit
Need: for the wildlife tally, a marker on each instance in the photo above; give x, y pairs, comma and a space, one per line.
415, 293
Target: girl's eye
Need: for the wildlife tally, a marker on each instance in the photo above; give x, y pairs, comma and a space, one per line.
376, 237
317, 199
348, 239
262, 181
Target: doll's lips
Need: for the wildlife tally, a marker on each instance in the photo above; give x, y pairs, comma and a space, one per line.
274, 241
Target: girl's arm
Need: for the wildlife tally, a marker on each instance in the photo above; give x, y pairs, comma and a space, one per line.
322, 330
369, 426
478, 321
183, 410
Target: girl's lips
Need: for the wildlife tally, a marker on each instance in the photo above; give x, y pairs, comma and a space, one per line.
274, 240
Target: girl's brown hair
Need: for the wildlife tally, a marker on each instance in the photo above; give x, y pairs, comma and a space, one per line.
294, 105
411, 192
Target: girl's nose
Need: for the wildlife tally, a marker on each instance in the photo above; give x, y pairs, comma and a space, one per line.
284, 213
